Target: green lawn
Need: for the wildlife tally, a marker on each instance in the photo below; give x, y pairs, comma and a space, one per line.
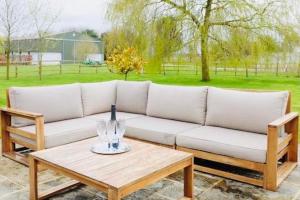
27, 76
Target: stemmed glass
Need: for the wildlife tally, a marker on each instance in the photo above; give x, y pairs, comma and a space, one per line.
101, 131
110, 133
121, 126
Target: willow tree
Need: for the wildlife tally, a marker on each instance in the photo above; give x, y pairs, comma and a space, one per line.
129, 28
202, 17
165, 40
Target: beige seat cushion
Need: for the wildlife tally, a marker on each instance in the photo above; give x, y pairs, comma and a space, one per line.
177, 102
156, 130
246, 111
98, 97
64, 132
132, 96
54, 102
228, 142
68, 131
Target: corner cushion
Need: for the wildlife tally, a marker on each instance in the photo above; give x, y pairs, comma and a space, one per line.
98, 97
132, 96
182, 103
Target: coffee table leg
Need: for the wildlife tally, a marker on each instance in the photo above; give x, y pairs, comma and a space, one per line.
188, 181
33, 179
113, 194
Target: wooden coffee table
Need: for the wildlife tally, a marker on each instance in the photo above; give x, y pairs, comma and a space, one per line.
117, 175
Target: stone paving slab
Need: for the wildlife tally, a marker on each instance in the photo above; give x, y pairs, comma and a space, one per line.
14, 186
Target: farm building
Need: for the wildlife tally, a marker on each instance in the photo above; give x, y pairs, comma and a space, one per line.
68, 47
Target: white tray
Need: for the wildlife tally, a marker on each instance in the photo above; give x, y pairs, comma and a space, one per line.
102, 148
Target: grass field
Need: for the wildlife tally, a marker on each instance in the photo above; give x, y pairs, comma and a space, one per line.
28, 76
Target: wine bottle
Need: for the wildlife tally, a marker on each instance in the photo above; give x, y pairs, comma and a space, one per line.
113, 121
113, 113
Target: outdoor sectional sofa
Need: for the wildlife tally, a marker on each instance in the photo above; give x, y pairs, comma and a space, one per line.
252, 130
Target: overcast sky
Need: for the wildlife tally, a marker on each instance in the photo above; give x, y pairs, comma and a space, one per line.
82, 14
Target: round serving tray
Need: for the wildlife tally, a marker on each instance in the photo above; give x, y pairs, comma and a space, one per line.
102, 148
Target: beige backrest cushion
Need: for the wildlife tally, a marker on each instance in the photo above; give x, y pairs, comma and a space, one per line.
246, 111
132, 96
177, 102
54, 102
98, 97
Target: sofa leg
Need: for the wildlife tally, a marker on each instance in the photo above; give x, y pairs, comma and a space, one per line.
292, 128
7, 145
271, 168
270, 177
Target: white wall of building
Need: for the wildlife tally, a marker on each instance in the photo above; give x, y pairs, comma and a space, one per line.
96, 57
48, 58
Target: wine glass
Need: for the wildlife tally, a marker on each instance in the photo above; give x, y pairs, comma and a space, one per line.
121, 127
101, 130
110, 133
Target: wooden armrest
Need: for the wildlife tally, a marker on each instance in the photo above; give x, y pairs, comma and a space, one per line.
21, 113
284, 120
6, 128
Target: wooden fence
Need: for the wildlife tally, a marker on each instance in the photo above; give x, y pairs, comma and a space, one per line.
289, 69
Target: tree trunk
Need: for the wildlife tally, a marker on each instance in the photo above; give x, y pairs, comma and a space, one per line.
7, 65
40, 70
125, 78
204, 42
204, 58
8, 49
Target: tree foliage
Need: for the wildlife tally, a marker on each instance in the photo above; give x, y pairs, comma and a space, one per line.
165, 40
1, 45
206, 23
91, 33
83, 49
125, 60
12, 19
43, 19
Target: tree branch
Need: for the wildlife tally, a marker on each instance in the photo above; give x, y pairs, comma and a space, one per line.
184, 10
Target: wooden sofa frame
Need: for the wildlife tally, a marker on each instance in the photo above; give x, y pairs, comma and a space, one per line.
281, 156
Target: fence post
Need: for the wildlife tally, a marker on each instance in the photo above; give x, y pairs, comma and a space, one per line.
16, 71
79, 68
60, 68
256, 69
235, 70
216, 69
177, 65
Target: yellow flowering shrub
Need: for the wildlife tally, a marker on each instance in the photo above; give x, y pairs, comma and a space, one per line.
124, 61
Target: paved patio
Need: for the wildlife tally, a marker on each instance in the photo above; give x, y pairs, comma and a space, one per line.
14, 186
